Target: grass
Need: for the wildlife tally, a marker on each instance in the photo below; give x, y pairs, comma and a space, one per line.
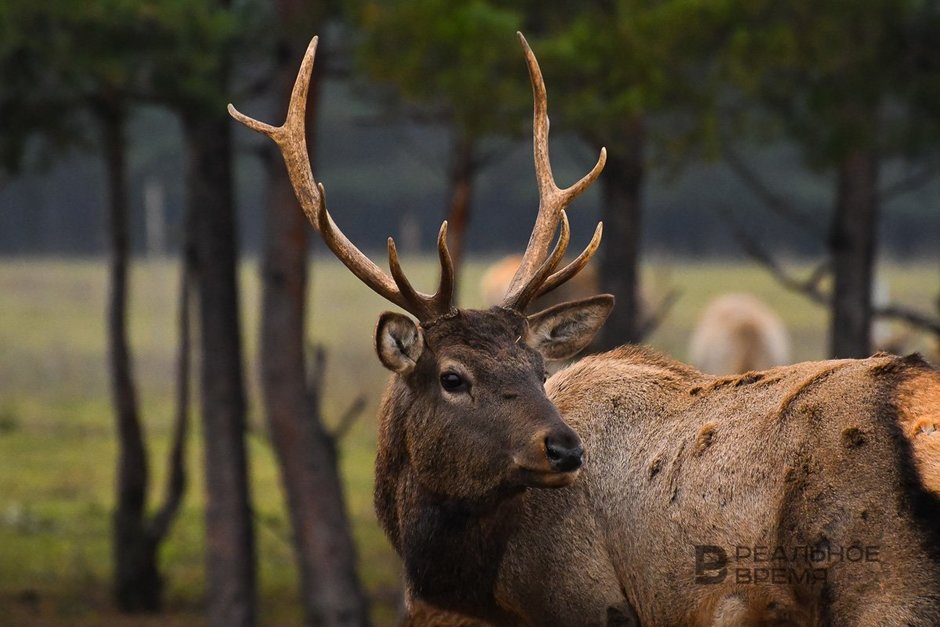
57, 446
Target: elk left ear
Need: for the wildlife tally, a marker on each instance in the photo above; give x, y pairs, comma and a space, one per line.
561, 331
398, 341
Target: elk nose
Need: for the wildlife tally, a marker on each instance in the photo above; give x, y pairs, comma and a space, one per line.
563, 456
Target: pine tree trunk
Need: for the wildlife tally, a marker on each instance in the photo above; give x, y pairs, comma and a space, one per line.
462, 170
230, 544
137, 584
852, 246
329, 585
621, 187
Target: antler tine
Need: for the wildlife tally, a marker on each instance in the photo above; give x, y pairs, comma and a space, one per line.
290, 138
575, 266
445, 289
429, 305
404, 285
521, 300
552, 199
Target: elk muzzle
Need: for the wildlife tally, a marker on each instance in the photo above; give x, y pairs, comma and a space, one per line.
552, 458
564, 454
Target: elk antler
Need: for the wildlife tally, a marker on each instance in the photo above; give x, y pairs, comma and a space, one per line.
536, 275
291, 139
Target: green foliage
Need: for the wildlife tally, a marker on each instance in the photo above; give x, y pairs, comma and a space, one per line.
612, 63
186, 56
61, 59
835, 76
451, 61
34, 96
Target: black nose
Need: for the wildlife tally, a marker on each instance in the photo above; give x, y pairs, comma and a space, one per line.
563, 456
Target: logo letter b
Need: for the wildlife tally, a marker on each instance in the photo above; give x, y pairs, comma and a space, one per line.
711, 564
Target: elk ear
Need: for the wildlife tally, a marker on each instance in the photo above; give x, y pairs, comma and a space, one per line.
398, 342
561, 331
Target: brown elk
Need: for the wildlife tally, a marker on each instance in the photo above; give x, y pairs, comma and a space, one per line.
616, 486
736, 333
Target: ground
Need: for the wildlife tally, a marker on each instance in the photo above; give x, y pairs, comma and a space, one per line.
57, 443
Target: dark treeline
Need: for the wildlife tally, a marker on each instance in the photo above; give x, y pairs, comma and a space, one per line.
387, 177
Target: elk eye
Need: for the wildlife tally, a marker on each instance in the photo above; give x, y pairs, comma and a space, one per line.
453, 382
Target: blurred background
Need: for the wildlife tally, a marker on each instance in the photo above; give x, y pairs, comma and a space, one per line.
187, 381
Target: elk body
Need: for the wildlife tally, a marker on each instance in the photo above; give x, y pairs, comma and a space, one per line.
737, 333
581, 500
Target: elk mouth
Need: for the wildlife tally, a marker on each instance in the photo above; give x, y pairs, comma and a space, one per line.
540, 478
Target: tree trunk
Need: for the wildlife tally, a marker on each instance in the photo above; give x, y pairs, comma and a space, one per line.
137, 584
852, 247
621, 186
230, 550
326, 556
176, 480
462, 170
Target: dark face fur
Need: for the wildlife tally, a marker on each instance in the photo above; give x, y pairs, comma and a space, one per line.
479, 420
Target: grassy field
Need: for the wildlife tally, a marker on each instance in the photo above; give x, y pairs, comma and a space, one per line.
57, 445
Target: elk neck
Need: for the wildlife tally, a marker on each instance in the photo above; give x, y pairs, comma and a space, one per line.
452, 548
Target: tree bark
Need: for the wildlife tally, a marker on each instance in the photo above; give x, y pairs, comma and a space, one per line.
329, 585
137, 584
852, 247
176, 479
230, 543
462, 170
621, 188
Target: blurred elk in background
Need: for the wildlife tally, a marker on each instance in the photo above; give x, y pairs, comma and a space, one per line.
496, 280
499, 274
738, 333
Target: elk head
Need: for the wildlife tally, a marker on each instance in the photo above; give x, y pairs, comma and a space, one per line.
473, 412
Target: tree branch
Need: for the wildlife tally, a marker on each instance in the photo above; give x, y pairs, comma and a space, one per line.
349, 418
650, 323
317, 358
907, 184
809, 287
316, 372
771, 199
909, 316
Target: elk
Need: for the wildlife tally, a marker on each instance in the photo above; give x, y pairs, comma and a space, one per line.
498, 276
496, 279
736, 333
623, 487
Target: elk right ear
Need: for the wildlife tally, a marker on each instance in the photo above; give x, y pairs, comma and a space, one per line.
398, 342
561, 331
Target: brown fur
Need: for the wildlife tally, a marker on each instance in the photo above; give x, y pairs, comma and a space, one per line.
918, 403
833, 454
775, 472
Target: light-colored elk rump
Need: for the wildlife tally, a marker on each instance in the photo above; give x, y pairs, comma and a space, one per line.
737, 333
629, 488
497, 277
